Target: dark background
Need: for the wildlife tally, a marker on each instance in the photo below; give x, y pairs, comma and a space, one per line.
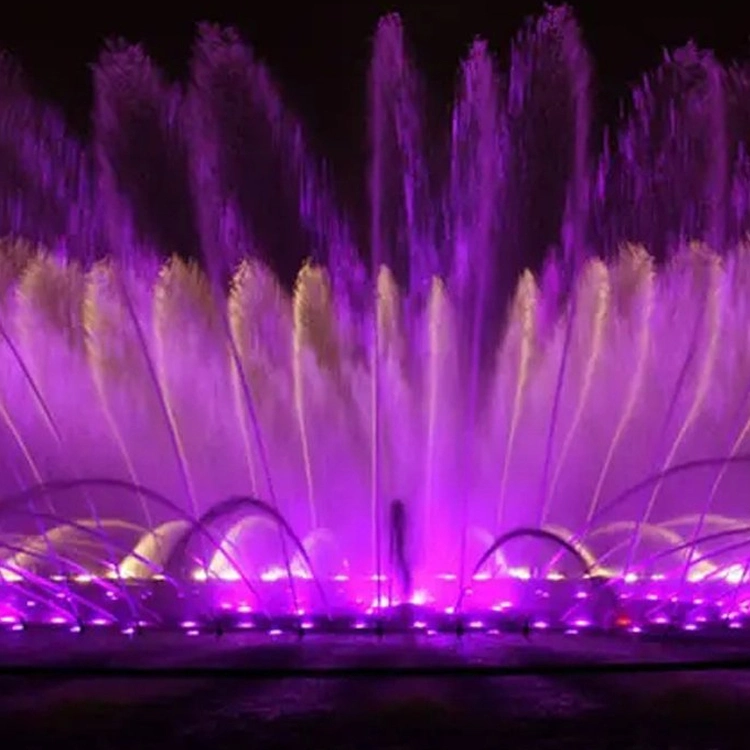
319, 54
320, 51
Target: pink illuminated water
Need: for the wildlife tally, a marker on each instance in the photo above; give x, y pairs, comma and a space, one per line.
185, 308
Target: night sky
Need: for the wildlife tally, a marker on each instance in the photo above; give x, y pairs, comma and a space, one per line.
319, 51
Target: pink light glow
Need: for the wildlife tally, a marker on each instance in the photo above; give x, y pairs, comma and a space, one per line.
398, 319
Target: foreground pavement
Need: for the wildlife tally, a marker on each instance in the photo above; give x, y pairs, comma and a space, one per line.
564, 709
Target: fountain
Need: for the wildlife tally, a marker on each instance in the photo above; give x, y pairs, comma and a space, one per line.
520, 395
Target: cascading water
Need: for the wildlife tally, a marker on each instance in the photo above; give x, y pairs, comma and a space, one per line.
540, 361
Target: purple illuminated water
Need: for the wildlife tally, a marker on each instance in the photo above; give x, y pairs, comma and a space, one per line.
602, 396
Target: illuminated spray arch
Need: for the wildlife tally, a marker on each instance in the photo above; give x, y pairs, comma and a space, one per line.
563, 533
58, 588
51, 589
226, 509
178, 556
155, 546
219, 566
12, 503
721, 462
167, 547
532, 533
68, 536
175, 539
738, 459
714, 536
653, 531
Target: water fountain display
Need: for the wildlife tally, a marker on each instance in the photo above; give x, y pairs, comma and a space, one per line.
519, 387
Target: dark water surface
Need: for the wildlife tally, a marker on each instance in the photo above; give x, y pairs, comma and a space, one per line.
673, 710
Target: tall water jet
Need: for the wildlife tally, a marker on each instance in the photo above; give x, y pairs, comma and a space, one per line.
594, 283
672, 159
137, 121
54, 198
441, 394
638, 266
400, 186
713, 305
268, 200
475, 193
524, 316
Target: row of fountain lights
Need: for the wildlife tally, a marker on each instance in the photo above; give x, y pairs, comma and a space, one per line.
386, 616
733, 574
380, 624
